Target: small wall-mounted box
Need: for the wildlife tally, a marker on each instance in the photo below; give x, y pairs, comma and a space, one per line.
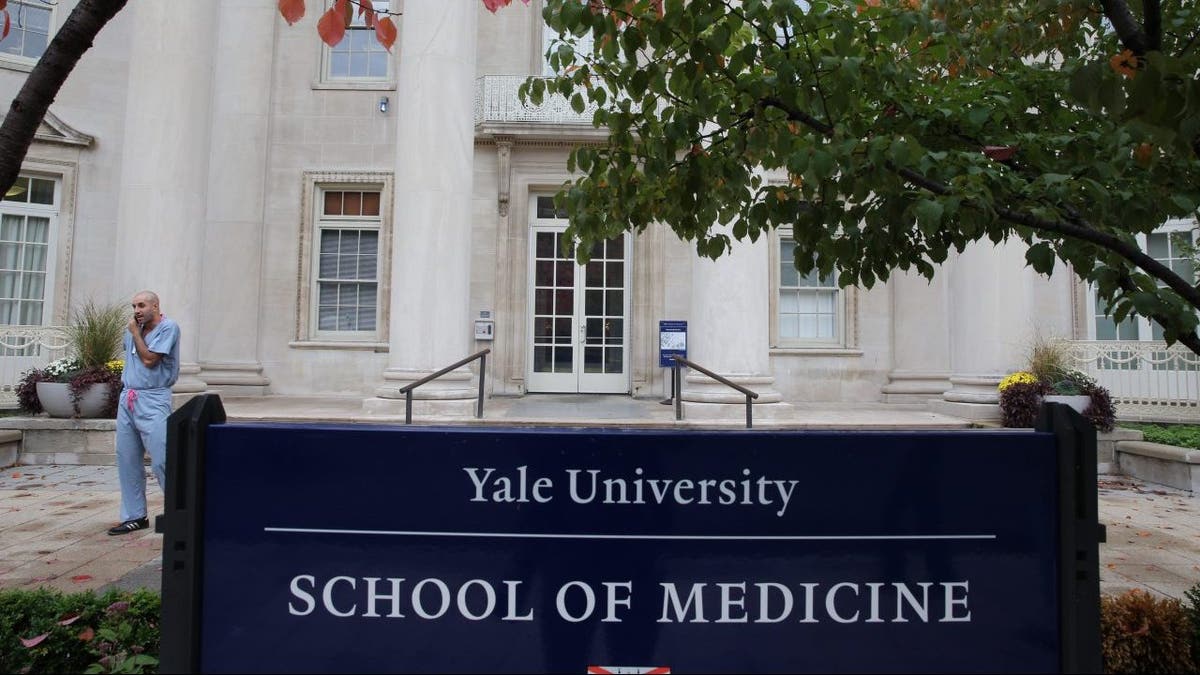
485, 327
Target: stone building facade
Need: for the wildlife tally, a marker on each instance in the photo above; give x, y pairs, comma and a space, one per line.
332, 222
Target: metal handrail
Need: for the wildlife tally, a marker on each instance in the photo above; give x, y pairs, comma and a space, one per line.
407, 389
679, 360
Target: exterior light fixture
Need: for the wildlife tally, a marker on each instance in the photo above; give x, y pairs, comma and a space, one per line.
383, 104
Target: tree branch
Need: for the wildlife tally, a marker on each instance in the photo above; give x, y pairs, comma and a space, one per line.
1126, 25
46, 79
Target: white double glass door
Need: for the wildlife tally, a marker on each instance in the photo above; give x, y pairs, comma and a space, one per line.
578, 321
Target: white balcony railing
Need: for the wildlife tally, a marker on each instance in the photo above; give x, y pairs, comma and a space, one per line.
1147, 380
25, 347
497, 102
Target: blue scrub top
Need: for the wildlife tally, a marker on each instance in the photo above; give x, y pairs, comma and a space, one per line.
164, 339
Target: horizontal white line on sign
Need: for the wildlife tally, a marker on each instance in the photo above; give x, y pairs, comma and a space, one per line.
703, 537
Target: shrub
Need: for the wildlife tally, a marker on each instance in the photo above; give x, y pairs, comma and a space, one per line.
1019, 403
1101, 412
1182, 435
1193, 612
1140, 633
47, 631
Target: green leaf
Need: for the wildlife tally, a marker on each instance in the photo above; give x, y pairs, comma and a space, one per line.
929, 215
1041, 257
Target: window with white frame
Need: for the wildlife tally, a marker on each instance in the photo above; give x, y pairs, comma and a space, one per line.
28, 215
29, 31
359, 58
346, 263
1170, 245
808, 308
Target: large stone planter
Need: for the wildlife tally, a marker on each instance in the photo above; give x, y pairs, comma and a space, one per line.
55, 398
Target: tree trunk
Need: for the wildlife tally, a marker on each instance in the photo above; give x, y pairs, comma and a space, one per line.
47, 77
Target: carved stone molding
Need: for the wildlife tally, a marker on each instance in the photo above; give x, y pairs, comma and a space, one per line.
504, 158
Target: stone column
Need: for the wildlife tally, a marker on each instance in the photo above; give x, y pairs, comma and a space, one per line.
164, 165
236, 192
729, 332
429, 324
920, 339
992, 323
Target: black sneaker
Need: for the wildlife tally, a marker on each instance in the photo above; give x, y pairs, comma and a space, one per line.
130, 526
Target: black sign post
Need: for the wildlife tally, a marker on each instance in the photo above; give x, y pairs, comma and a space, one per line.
524, 550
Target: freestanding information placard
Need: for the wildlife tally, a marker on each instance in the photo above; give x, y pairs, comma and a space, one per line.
386, 549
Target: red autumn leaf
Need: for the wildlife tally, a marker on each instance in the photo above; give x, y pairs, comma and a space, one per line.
332, 27
7, 25
493, 5
68, 619
34, 641
385, 32
367, 11
16, 475
1000, 153
80, 578
292, 10
87, 634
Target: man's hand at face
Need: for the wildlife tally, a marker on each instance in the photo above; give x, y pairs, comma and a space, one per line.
134, 327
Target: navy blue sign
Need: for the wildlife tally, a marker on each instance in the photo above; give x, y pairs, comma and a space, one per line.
377, 549
672, 341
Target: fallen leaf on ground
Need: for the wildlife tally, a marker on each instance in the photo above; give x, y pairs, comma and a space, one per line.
80, 578
1143, 534
68, 619
16, 475
87, 634
34, 641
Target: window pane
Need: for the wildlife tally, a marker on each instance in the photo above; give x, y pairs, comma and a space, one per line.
35, 44
8, 312
789, 326
613, 360
593, 359
333, 203
328, 266
358, 64
327, 318
339, 64
329, 241
31, 313
370, 204
10, 227
9, 256
808, 326
545, 244
34, 287
1157, 245
35, 258
19, 192
8, 284
368, 267
352, 204
368, 242
327, 294
349, 242
788, 302
541, 360
543, 302
37, 230
563, 360
41, 191
36, 19
614, 303
614, 274
377, 64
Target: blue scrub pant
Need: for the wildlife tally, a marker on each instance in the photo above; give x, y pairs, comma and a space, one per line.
140, 430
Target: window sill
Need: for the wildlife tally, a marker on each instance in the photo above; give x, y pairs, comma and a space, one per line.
12, 63
377, 347
356, 85
814, 351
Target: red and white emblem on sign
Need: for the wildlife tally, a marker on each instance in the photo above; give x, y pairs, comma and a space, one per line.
629, 669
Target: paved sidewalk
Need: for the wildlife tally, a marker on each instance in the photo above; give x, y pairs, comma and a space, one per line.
53, 522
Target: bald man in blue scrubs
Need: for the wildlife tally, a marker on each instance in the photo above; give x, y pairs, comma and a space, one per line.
151, 369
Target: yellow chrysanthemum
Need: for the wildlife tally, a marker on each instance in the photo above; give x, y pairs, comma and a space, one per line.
115, 366
1019, 377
